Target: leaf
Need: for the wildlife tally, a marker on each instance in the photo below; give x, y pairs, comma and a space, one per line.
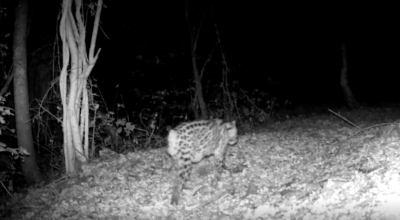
23, 151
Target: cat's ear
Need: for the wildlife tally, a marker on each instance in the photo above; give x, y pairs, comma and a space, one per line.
230, 125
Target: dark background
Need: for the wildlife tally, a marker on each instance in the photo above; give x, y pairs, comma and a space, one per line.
145, 46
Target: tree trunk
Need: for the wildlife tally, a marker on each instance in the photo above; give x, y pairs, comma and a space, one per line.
199, 88
74, 93
21, 96
198, 100
344, 82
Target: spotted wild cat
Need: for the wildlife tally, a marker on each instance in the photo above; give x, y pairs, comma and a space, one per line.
190, 142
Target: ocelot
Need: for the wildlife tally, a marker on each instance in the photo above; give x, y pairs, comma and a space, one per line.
190, 142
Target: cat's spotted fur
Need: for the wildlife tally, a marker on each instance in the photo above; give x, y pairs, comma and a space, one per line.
190, 142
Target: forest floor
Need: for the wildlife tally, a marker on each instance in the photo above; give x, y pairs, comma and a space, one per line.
317, 167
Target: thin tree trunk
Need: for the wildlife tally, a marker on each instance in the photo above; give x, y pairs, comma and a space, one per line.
21, 96
198, 97
74, 94
344, 82
199, 88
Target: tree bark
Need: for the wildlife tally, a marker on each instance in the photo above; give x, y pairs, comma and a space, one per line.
74, 94
344, 82
21, 96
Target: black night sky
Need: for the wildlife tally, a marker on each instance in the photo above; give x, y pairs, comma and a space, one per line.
145, 45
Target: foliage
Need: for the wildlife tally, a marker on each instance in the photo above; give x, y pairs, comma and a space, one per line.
4, 127
148, 122
122, 135
8, 156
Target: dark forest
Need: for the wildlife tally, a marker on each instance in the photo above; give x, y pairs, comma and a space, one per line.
199, 110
